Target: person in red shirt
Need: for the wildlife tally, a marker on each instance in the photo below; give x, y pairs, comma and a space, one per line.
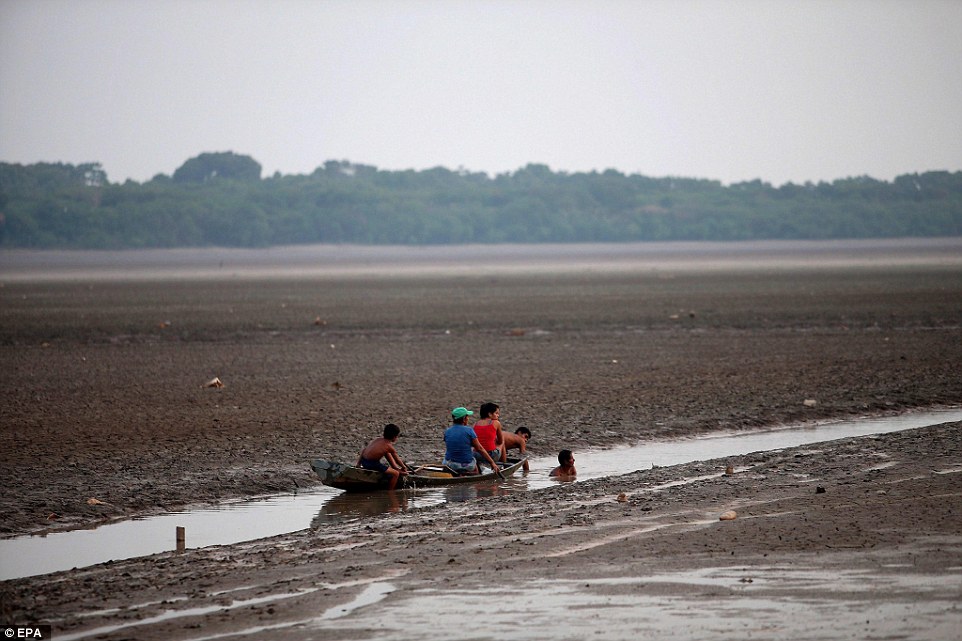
488, 431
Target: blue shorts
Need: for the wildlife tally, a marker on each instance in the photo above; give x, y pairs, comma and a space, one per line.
479, 458
377, 466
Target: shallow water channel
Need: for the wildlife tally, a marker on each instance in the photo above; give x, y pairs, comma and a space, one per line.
253, 519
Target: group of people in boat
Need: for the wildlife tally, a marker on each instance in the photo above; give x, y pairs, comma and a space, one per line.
468, 448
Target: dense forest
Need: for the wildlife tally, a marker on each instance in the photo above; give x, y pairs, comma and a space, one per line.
220, 199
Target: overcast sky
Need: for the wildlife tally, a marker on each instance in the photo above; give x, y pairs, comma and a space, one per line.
730, 90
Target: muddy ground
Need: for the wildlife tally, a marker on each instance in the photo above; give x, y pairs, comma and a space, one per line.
104, 397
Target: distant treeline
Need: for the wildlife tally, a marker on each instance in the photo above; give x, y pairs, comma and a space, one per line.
220, 199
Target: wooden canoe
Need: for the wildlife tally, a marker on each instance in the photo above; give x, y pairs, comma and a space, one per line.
356, 479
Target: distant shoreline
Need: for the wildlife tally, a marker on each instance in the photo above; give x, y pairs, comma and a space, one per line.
345, 261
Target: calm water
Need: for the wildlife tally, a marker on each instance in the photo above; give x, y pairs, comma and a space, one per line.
249, 520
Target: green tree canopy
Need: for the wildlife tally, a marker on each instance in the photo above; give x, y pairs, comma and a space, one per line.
224, 165
220, 199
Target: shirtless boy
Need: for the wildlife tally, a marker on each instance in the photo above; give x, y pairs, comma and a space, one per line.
383, 447
517, 441
567, 467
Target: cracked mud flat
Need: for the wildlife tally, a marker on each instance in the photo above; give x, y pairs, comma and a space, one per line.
102, 401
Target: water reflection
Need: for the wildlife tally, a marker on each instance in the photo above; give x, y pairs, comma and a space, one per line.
348, 506
471, 491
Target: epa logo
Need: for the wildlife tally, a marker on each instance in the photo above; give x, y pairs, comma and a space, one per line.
27, 632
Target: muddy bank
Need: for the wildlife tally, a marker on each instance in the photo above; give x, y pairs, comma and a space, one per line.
846, 538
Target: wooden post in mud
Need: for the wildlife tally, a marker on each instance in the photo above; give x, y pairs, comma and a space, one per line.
181, 539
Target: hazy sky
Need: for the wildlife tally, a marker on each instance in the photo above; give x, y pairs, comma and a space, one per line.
730, 90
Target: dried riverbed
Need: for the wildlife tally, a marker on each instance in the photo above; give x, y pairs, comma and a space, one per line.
104, 399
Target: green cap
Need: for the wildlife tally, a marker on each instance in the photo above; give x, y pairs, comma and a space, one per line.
461, 412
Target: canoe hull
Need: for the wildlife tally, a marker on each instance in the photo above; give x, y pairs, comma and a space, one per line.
355, 479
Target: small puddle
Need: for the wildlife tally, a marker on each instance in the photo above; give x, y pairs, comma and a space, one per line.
371, 595
249, 520
726, 604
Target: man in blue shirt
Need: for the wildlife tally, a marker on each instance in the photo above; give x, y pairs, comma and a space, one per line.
461, 442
